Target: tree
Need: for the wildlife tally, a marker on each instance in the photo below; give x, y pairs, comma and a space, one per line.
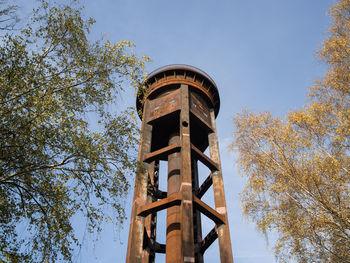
298, 168
54, 162
8, 16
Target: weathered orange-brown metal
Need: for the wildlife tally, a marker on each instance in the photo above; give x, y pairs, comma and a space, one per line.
178, 105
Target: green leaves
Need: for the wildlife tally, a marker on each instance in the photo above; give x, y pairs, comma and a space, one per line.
51, 164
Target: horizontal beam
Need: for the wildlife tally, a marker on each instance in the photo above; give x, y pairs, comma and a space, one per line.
208, 240
154, 207
161, 153
213, 166
205, 186
208, 211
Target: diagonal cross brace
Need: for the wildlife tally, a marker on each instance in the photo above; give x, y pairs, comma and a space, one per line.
213, 166
208, 240
205, 186
208, 211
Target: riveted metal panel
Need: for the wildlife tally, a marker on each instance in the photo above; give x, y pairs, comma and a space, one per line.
199, 107
164, 105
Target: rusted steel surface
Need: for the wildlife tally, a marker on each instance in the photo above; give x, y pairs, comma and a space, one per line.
136, 232
197, 222
173, 218
208, 240
164, 105
178, 110
219, 198
148, 254
186, 179
205, 186
173, 200
180, 66
161, 153
180, 74
213, 166
200, 108
208, 211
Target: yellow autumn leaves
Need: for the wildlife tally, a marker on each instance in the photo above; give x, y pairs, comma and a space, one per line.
298, 168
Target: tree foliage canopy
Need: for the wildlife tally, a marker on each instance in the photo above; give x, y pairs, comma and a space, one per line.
298, 170
52, 163
8, 15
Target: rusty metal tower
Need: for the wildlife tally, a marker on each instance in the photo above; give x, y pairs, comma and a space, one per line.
178, 106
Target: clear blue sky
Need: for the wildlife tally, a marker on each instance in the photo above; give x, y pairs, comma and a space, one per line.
260, 53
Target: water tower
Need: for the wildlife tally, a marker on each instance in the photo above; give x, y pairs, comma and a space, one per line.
178, 105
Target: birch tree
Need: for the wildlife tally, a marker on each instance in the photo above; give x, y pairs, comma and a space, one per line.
298, 167
53, 165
